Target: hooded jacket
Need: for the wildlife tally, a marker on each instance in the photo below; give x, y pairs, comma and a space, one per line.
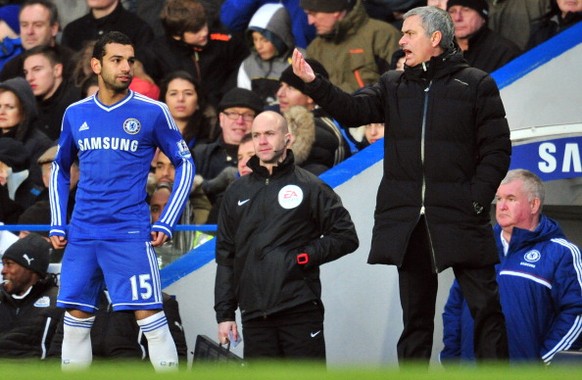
235, 15
35, 142
318, 142
262, 77
358, 51
265, 221
540, 282
446, 149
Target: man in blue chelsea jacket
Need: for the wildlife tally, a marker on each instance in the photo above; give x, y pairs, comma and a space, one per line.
540, 280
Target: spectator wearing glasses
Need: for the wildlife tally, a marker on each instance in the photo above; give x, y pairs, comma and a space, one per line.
218, 160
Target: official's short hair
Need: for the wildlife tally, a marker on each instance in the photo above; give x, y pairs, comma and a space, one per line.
49, 5
180, 16
434, 19
532, 184
113, 37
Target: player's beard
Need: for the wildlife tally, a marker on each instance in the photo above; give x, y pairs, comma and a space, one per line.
119, 87
112, 83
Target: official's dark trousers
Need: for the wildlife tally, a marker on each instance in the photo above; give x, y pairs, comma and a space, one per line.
292, 334
418, 290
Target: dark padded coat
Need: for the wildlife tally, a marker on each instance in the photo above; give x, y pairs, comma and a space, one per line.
27, 325
446, 147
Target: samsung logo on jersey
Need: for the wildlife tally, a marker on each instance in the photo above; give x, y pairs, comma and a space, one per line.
113, 143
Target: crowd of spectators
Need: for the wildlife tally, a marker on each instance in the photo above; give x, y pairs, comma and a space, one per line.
192, 54
217, 64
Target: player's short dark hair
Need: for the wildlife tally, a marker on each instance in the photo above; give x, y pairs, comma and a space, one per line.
113, 37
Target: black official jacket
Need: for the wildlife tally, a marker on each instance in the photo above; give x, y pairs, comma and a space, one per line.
265, 221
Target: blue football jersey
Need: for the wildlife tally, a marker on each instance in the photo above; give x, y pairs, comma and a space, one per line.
115, 147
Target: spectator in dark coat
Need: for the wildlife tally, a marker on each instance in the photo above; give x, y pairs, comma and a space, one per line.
318, 142
482, 47
106, 16
16, 190
445, 152
39, 26
28, 312
19, 123
217, 160
210, 54
43, 69
563, 14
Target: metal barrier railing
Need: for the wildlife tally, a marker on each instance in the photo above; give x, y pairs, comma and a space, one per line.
46, 227
167, 253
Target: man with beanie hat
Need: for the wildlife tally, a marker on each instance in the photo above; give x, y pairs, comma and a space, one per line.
354, 48
218, 160
318, 143
447, 136
482, 47
28, 312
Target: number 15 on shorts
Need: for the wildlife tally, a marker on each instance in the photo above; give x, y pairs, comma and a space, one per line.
141, 287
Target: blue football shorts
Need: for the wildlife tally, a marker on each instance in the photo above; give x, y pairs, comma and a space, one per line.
128, 269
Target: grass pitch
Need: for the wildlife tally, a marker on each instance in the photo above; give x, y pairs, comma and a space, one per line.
16, 370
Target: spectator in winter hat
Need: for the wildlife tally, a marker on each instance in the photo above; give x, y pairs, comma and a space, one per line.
216, 162
482, 47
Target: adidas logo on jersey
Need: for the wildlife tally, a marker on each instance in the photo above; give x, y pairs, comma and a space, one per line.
84, 127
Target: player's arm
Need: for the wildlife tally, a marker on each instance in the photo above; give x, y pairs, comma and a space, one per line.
59, 184
171, 143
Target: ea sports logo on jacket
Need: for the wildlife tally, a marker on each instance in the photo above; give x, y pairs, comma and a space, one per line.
290, 196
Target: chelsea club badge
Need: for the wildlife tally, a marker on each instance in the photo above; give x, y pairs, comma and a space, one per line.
131, 126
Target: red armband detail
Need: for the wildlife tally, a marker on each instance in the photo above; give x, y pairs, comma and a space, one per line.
302, 258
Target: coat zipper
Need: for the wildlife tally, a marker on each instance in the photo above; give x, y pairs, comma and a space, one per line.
423, 189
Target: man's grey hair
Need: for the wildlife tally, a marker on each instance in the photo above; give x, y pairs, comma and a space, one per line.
435, 19
532, 184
